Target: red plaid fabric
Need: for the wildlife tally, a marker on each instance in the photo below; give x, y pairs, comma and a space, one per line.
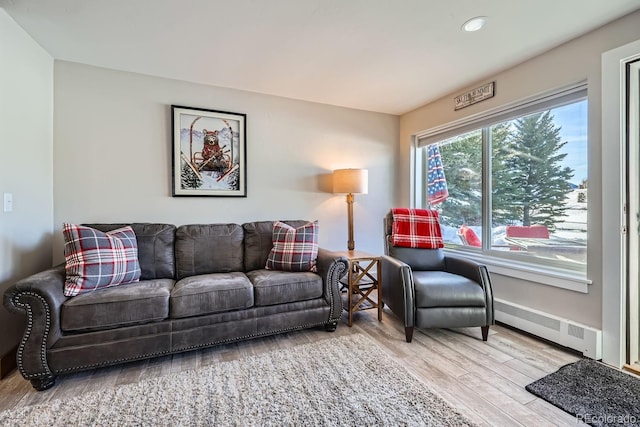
95, 260
294, 249
416, 228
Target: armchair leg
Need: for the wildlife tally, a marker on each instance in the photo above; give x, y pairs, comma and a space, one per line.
408, 333
485, 332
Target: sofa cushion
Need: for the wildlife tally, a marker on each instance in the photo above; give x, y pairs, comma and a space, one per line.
95, 260
142, 302
278, 287
209, 248
210, 293
442, 289
155, 248
294, 249
258, 241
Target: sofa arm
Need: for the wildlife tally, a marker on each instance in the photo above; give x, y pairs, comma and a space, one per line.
38, 297
332, 267
397, 289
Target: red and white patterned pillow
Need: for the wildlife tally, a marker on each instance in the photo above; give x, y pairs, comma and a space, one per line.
96, 260
416, 228
294, 249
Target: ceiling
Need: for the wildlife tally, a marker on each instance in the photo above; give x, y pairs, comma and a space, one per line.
389, 56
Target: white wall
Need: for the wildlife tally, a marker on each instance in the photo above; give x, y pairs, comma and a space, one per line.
112, 156
572, 62
26, 138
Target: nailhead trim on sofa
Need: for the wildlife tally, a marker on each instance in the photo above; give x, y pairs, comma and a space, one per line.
27, 334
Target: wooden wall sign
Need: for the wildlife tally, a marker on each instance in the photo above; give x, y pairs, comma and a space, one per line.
475, 95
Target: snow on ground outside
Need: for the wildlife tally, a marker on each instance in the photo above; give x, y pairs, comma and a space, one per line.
573, 226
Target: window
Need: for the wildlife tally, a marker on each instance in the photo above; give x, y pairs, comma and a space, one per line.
513, 184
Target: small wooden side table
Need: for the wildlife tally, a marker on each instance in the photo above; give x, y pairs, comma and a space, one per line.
362, 282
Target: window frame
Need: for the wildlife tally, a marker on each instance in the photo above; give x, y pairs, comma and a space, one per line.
554, 273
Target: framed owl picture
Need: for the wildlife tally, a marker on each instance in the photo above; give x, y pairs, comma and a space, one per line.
209, 152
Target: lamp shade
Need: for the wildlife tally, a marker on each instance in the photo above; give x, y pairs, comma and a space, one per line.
351, 181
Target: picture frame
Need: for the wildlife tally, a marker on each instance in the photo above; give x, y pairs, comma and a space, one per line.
209, 154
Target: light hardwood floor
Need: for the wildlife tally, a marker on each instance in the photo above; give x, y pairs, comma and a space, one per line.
485, 379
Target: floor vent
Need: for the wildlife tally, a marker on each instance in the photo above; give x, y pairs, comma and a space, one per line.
584, 339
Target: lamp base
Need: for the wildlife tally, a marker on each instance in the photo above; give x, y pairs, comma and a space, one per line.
351, 244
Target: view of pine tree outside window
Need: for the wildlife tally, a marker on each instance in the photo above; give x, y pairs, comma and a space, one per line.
529, 200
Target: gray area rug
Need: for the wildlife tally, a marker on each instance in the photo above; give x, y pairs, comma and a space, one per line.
338, 381
593, 393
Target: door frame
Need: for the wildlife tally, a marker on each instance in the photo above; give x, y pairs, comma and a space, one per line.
632, 147
614, 218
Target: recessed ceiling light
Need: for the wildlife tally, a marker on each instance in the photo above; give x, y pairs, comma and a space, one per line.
474, 24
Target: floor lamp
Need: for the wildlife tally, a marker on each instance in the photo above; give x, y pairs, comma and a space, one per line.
350, 181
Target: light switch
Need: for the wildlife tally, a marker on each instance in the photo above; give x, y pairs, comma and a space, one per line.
8, 202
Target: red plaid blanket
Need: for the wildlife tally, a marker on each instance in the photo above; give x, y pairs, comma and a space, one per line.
416, 228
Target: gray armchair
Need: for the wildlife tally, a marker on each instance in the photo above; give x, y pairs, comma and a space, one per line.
428, 289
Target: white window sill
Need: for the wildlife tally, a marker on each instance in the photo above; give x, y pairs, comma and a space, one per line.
550, 276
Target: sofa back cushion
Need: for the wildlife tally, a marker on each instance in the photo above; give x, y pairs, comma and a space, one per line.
209, 248
155, 248
258, 241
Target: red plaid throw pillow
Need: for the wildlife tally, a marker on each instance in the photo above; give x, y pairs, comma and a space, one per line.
416, 228
95, 260
294, 249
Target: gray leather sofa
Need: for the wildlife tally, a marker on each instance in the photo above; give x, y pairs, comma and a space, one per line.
201, 285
